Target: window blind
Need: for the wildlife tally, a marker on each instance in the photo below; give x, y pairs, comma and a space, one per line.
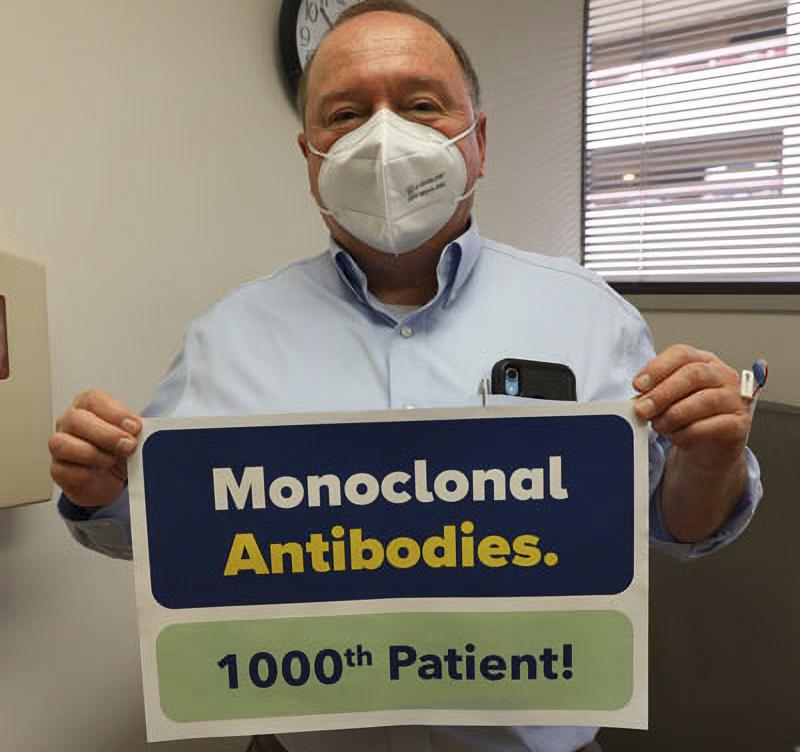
692, 140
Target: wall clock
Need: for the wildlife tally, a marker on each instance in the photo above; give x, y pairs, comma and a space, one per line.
302, 25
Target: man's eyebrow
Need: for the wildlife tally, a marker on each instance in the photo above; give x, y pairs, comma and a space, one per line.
337, 95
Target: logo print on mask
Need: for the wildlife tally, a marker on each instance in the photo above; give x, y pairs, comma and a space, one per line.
426, 187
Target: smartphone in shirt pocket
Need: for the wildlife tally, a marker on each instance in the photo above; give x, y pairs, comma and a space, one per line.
534, 379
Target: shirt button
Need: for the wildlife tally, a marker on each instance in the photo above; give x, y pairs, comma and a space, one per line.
406, 331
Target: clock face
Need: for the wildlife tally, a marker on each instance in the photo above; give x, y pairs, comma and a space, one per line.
314, 20
303, 23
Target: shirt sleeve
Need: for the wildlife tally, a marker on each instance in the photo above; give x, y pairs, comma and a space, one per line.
107, 530
732, 528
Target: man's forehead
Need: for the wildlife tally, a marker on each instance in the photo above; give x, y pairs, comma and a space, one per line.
359, 44
383, 28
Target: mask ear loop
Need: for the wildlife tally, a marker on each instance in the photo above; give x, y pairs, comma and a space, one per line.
468, 193
316, 151
461, 135
456, 139
323, 155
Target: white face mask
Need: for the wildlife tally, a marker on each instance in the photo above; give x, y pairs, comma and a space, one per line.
391, 183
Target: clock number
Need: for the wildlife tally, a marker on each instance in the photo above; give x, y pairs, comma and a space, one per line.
322, 5
312, 12
305, 36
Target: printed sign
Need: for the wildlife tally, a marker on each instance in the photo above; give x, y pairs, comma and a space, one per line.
452, 567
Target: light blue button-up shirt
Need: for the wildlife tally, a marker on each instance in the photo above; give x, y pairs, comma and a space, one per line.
311, 337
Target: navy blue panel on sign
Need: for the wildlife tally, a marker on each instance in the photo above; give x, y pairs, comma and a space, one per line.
469, 508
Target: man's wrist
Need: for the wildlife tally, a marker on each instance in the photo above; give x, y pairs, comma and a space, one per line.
695, 503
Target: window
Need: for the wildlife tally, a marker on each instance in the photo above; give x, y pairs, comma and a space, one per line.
692, 144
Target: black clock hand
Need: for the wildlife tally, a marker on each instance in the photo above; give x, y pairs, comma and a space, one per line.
325, 16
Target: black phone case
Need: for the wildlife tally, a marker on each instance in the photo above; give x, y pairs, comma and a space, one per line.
537, 379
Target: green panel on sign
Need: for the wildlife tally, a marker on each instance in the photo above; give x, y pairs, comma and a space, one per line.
577, 660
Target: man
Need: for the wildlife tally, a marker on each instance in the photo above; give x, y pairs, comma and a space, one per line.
412, 308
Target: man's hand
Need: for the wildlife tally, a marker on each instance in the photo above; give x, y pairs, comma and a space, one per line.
90, 448
693, 399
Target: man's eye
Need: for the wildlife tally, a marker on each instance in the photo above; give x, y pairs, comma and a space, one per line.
424, 106
343, 116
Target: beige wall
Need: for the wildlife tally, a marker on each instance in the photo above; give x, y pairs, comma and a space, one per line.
147, 157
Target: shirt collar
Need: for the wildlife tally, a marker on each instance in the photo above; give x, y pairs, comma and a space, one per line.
453, 270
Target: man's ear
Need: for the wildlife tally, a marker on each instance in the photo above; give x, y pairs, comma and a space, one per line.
303, 144
480, 135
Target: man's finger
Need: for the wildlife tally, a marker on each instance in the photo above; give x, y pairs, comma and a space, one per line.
703, 404
732, 429
94, 430
687, 380
72, 479
67, 448
106, 407
667, 362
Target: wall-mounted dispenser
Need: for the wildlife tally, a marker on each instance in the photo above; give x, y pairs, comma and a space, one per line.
26, 414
